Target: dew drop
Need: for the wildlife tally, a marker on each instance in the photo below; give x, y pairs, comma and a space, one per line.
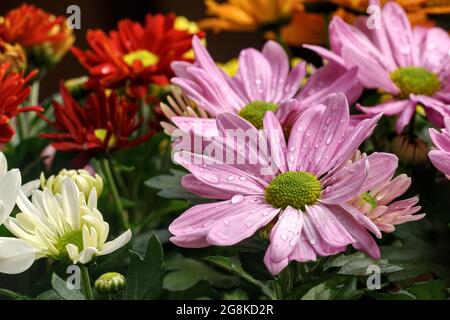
237, 199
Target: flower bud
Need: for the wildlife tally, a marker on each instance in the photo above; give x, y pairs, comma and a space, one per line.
111, 282
413, 151
14, 55
84, 181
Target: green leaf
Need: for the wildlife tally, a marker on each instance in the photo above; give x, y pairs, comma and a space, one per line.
185, 273
430, 290
49, 295
400, 295
236, 294
338, 288
13, 295
235, 268
146, 273
170, 186
357, 264
60, 286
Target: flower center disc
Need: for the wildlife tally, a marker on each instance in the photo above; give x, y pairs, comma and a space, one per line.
296, 189
254, 112
145, 57
73, 237
415, 80
369, 199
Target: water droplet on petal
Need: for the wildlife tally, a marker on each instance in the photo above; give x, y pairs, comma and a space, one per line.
237, 199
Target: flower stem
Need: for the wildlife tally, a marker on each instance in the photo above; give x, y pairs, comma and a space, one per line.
121, 213
86, 283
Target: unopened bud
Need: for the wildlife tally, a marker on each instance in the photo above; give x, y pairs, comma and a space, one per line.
111, 282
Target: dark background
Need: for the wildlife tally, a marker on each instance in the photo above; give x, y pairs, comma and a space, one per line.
104, 14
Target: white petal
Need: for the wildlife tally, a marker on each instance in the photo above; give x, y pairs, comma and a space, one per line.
87, 254
3, 163
116, 243
70, 196
29, 187
9, 189
73, 252
16, 255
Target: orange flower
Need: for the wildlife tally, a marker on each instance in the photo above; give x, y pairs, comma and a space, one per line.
135, 55
45, 37
244, 15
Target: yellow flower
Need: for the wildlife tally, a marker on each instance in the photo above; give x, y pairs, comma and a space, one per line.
13, 54
230, 67
244, 15
184, 24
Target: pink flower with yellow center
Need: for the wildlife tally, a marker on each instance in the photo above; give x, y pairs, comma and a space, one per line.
302, 186
411, 65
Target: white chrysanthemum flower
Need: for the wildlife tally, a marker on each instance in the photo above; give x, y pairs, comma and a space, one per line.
63, 226
15, 255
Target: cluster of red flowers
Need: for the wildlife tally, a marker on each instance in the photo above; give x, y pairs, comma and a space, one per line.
14, 90
104, 123
138, 54
128, 60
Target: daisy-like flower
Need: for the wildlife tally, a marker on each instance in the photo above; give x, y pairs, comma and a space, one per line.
303, 196
410, 64
14, 90
379, 203
64, 226
264, 82
103, 124
243, 15
440, 157
16, 255
134, 54
45, 37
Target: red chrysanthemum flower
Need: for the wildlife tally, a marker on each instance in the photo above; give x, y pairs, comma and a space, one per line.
33, 28
14, 90
103, 124
135, 53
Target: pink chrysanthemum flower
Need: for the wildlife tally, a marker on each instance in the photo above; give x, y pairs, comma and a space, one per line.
263, 83
410, 64
305, 196
440, 157
378, 203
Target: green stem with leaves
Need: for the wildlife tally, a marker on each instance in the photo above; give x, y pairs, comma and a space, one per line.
122, 215
86, 283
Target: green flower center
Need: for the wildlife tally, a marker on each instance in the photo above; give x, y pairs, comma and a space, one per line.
73, 237
254, 112
415, 80
147, 58
296, 189
369, 199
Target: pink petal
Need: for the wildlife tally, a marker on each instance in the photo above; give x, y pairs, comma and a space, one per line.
285, 234
399, 32
361, 218
273, 266
388, 108
255, 75
241, 226
220, 176
195, 186
329, 228
370, 73
279, 63
364, 242
303, 252
276, 141
382, 167
345, 184
435, 51
326, 54
405, 117
302, 136
200, 126
441, 160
